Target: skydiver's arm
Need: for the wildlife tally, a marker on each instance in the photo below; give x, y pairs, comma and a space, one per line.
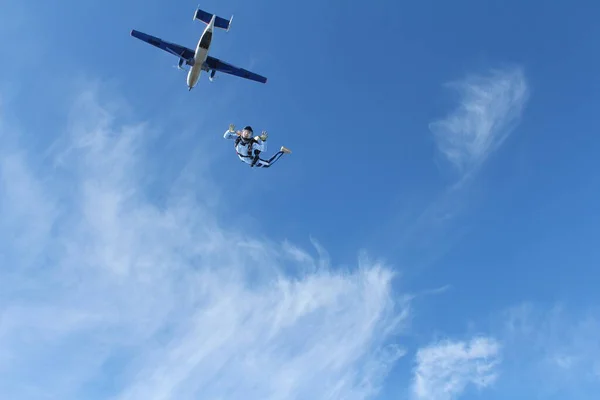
260, 145
230, 135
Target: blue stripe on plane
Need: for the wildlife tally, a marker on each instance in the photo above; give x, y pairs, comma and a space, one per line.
172, 48
222, 66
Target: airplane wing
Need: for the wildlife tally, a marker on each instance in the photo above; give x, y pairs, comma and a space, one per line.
173, 48
222, 66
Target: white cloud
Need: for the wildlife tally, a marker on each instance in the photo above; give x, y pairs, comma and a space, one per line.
490, 107
445, 369
557, 347
104, 294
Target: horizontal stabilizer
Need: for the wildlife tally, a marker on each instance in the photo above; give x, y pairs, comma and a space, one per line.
206, 17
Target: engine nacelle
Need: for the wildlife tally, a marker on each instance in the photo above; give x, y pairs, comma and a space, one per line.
211, 77
180, 64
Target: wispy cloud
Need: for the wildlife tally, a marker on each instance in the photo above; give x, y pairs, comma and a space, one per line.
490, 107
445, 369
104, 294
555, 347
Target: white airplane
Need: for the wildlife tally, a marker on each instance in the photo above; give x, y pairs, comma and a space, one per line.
199, 60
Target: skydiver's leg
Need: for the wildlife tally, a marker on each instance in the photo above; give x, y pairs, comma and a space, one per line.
275, 157
260, 163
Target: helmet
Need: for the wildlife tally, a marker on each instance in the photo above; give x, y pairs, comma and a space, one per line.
247, 128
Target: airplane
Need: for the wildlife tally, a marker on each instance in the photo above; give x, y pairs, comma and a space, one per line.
199, 60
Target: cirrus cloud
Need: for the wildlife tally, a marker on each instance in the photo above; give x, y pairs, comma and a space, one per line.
445, 369
106, 294
490, 107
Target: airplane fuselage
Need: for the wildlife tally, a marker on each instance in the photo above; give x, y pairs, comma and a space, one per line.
198, 60
200, 55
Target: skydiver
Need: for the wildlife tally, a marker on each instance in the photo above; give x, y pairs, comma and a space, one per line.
248, 148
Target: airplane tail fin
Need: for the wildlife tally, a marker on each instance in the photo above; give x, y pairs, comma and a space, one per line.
206, 17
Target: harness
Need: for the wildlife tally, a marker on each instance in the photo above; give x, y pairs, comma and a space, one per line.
250, 141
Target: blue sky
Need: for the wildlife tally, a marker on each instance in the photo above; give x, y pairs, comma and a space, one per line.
432, 236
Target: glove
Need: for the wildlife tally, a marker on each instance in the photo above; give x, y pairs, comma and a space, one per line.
264, 136
231, 128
